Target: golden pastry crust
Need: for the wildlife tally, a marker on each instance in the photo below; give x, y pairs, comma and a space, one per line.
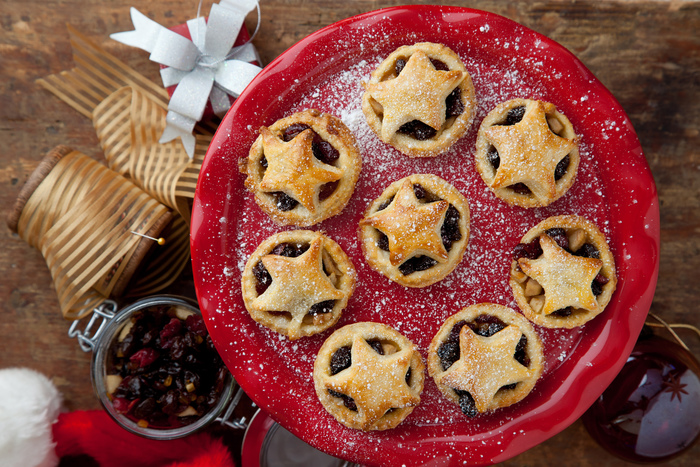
555, 290
297, 283
292, 185
420, 92
416, 242
486, 367
528, 152
382, 387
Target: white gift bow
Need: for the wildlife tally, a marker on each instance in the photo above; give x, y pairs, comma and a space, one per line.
202, 67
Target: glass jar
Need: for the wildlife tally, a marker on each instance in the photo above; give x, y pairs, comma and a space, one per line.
110, 330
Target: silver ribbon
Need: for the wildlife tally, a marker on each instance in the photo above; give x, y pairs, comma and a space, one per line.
206, 68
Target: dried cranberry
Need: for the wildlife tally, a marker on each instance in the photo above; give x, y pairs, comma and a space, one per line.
171, 329
327, 189
562, 167
144, 357
120, 404
515, 115
340, 360
325, 152
559, 236
417, 263
531, 250
195, 323
284, 202
418, 130
293, 130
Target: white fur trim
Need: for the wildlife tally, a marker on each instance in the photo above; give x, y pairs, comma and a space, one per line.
29, 405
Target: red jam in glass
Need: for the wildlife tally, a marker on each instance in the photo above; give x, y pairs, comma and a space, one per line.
163, 370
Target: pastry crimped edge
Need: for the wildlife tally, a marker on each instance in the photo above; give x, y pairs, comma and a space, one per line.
330, 129
488, 173
446, 137
503, 398
344, 337
346, 282
378, 259
594, 236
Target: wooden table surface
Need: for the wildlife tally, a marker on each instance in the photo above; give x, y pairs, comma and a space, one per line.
646, 52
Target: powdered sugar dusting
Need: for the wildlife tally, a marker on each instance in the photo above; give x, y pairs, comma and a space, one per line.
482, 275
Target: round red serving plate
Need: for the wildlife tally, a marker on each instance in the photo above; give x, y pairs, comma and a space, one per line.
614, 189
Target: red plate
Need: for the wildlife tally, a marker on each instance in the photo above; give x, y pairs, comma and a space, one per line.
614, 189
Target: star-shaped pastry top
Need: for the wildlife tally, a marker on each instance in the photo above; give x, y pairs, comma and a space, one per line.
418, 93
529, 153
297, 284
485, 365
293, 169
376, 382
565, 278
413, 228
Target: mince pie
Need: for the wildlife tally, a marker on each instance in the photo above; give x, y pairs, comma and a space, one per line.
563, 273
303, 168
420, 99
369, 376
297, 283
485, 357
417, 231
527, 152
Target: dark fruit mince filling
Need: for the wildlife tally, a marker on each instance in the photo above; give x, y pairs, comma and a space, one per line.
533, 250
167, 369
454, 107
449, 232
322, 150
342, 359
263, 278
514, 116
449, 353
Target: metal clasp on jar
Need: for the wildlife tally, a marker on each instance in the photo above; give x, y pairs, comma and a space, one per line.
88, 338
